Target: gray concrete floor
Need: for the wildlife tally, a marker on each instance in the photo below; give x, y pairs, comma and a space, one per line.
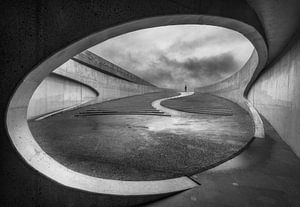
128, 139
265, 174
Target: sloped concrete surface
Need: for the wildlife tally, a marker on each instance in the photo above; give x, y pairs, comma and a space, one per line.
266, 174
33, 31
131, 144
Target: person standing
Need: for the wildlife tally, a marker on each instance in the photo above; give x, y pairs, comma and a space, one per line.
185, 88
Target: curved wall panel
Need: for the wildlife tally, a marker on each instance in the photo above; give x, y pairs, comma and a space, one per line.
276, 95
35, 157
233, 87
108, 87
57, 92
74, 84
45, 34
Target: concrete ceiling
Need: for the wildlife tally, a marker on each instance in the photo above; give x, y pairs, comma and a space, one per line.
280, 19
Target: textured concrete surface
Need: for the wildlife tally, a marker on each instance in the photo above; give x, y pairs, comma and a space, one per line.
35, 30
276, 95
138, 147
104, 66
57, 92
38, 23
202, 104
84, 78
279, 18
108, 86
266, 174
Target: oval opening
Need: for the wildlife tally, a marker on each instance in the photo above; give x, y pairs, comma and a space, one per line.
77, 81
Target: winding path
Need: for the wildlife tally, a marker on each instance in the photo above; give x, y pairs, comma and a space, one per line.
115, 140
157, 104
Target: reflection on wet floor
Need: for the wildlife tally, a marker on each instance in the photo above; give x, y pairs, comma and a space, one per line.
137, 147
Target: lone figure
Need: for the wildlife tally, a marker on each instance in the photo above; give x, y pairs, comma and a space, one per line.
185, 88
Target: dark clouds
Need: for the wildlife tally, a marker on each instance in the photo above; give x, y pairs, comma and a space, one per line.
215, 39
174, 56
169, 72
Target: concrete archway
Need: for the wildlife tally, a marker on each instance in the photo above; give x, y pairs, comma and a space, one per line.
47, 29
38, 159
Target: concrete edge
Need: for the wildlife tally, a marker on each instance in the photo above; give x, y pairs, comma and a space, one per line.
259, 131
61, 110
25, 145
32, 154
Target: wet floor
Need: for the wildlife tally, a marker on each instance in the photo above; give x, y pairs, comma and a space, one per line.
130, 139
265, 174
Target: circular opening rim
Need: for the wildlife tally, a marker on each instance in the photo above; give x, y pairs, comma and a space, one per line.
33, 155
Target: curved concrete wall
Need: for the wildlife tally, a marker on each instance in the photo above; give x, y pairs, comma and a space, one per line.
276, 95
100, 64
40, 33
75, 83
108, 86
233, 87
57, 92
26, 146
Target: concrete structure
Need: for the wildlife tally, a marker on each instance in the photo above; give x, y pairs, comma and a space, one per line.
276, 95
137, 139
38, 36
91, 60
233, 87
85, 78
57, 92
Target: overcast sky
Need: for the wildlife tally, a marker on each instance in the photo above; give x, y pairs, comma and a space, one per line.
172, 56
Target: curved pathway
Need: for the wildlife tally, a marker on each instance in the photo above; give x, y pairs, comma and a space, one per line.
157, 104
115, 140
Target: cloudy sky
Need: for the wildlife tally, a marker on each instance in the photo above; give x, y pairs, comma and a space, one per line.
172, 56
